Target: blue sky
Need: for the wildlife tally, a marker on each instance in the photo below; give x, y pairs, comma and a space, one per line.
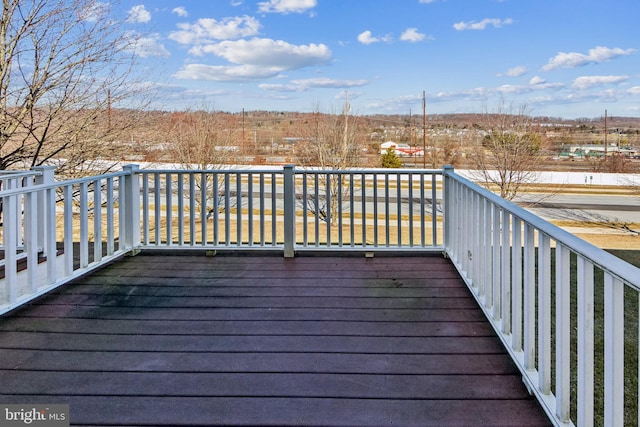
562, 58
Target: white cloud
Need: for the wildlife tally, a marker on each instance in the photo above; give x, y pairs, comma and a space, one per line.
305, 84
206, 30
280, 87
536, 84
634, 90
399, 103
510, 89
536, 80
543, 85
255, 59
472, 25
324, 82
475, 94
586, 82
412, 35
268, 52
180, 11
514, 72
286, 6
367, 38
138, 14
235, 73
427, 1
146, 47
595, 55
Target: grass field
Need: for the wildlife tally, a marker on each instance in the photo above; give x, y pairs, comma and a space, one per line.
631, 342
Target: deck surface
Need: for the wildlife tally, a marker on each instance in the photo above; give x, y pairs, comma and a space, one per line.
264, 340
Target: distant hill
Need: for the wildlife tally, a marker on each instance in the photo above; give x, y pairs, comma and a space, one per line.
463, 120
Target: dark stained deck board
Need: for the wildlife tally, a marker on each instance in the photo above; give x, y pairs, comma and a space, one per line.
162, 339
249, 343
248, 327
276, 301
316, 384
222, 280
177, 361
244, 314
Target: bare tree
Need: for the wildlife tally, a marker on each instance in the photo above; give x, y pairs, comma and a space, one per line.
63, 64
203, 140
511, 151
614, 163
450, 152
333, 142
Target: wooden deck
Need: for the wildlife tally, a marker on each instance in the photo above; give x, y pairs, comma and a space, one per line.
264, 340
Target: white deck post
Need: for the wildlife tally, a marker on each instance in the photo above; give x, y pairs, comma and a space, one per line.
10, 243
45, 176
446, 197
131, 199
289, 212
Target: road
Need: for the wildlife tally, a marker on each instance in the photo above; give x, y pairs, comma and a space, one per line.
583, 207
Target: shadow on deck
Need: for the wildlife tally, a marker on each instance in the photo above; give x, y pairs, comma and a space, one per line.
161, 339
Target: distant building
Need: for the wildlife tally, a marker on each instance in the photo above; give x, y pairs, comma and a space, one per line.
402, 150
597, 150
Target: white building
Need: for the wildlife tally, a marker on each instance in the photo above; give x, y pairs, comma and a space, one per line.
402, 150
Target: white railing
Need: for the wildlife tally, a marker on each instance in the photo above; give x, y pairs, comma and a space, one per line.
211, 209
53, 232
292, 210
10, 180
373, 209
562, 307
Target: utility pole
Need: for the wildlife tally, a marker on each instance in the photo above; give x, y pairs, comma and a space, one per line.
424, 130
412, 142
605, 135
242, 142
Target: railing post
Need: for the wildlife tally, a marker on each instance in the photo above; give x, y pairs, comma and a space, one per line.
46, 176
131, 199
289, 212
10, 243
446, 213
614, 355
